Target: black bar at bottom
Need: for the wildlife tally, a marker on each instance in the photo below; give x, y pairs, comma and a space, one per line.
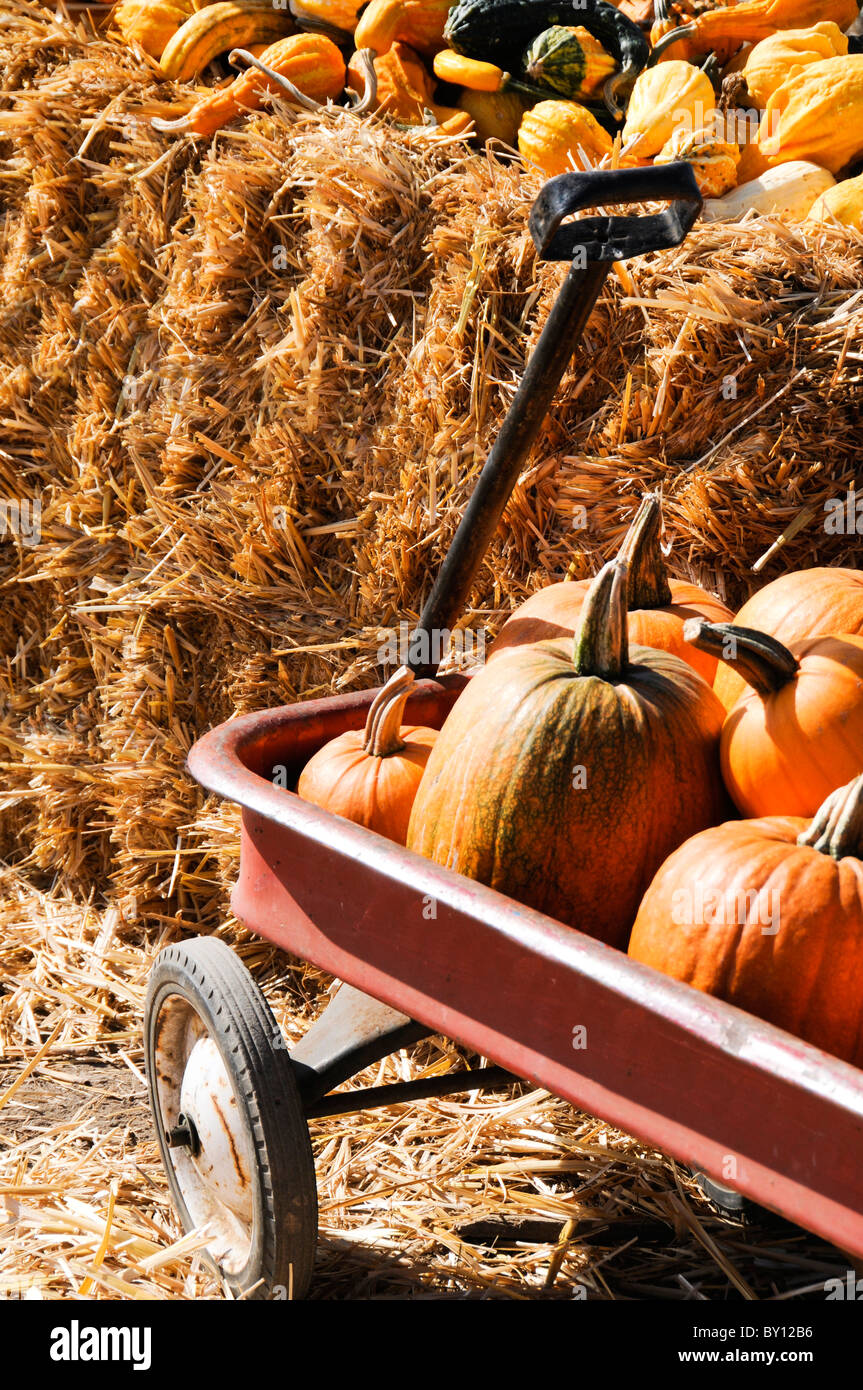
371, 1097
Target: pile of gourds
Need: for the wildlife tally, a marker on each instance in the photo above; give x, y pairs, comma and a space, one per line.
639, 763
764, 98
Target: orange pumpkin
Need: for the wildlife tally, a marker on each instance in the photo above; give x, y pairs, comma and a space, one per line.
768, 915
371, 776
805, 603
797, 730
564, 780
658, 607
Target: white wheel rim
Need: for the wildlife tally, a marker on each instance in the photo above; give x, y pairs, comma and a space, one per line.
217, 1183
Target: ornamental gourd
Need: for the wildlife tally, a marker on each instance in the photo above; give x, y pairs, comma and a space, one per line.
722, 31
404, 90
786, 192
714, 160
450, 66
564, 778
842, 203
569, 60
151, 23
556, 136
495, 115
779, 57
658, 607
371, 776
803, 603
217, 29
499, 31
310, 61
796, 730
768, 915
676, 96
418, 23
817, 115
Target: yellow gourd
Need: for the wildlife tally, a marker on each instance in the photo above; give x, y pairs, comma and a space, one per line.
844, 202
817, 116
559, 135
419, 23
665, 99
218, 28
495, 115
468, 72
341, 14
776, 59
151, 23
714, 161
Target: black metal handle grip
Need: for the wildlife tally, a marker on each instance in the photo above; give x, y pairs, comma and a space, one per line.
614, 238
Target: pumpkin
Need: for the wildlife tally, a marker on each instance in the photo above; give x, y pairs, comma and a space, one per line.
404, 89
777, 58
816, 115
218, 28
677, 95
151, 23
796, 730
500, 30
787, 192
569, 60
418, 23
722, 31
495, 115
311, 62
556, 136
804, 603
658, 607
768, 915
371, 776
843, 202
563, 778
714, 161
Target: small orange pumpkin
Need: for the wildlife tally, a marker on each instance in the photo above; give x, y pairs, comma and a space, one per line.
797, 730
768, 915
371, 776
658, 607
804, 603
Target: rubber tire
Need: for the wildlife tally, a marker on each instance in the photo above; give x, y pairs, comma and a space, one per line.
238, 1018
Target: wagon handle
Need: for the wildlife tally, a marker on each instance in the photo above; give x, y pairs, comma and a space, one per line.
591, 244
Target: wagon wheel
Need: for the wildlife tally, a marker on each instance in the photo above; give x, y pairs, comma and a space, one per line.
230, 1124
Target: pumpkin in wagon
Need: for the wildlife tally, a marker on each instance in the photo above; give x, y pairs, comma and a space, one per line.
803, 603
371, 776
565, 778
796, 731
768, 915
658, 606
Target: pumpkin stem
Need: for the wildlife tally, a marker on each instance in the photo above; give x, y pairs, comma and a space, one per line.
762, 661
381, 737
647, 586
837, 826
602, 640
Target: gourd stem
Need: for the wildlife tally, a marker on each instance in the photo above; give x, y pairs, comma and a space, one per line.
762, 661
381, 737
684, 31
647, 586
602, 640
837, 826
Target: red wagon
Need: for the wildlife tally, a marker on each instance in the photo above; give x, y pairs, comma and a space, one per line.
424, 950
